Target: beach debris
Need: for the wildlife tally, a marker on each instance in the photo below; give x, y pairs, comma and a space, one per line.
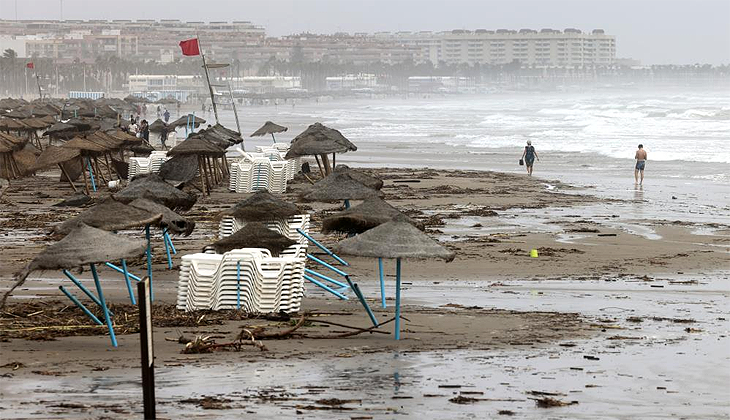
209, 402
13, 365
591, 357
549, 402
506, 413
77, 200
533, 253
460, 399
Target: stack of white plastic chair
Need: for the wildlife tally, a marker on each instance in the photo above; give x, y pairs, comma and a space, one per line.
249, 277
261, 174
288, 227
146, 165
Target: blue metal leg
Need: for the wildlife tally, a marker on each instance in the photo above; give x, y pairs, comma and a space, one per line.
397, 299
323, 277
347, 204
238, 285
360, 296
335, 269
322, 247
167, 252
91, 174
118, 269
129, 284
382, 283
169, 241
149, 258
107, 317
81, 286
80, 305
325, 287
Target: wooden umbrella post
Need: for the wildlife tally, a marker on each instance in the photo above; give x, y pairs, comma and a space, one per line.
68, 178
320, 166
334, 159
326, 164
83, 171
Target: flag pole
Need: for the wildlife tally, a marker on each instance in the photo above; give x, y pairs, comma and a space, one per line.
38, 80
207, 77
25, 75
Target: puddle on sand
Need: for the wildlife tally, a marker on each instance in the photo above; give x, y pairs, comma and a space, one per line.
662, 371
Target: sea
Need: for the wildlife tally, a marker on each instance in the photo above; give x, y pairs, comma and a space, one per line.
583, 136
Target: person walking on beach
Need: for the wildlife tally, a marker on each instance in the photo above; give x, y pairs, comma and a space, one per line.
529, 156
144, 130
163, 137
166, 115
640, 157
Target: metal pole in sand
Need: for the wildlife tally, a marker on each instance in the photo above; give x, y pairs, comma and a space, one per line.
115, 268
104, 309
80, 305
397, 299
325, 287
335, 269
91, 174
322, 247
81, 286
323, 277
149, 258
382, 283
129, 283
167, 251
144, 290
364, 303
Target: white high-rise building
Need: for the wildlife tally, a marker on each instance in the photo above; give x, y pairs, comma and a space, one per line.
548, 47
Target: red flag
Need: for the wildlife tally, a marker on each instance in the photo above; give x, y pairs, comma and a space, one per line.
190, 47
30, 65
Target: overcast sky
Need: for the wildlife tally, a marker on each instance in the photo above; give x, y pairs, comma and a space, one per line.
653, 31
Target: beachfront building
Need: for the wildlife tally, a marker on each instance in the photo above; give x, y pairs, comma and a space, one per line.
350, 82
182, 87
441, 84
545, 48
138, 39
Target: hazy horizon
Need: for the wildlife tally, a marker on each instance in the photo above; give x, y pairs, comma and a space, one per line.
652, 31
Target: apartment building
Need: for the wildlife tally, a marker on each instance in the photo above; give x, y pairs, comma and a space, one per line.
139, 39
548, 47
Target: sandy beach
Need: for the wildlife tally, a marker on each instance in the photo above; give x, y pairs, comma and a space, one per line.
493, 301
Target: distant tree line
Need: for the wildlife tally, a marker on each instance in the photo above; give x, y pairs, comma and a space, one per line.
110, 73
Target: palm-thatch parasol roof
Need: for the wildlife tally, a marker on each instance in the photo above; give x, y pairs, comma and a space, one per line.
15, 141
12, 124
318, 140
153, 186
219, 135
158, 125
53, 155
339, 186
361, 177
85, 145
142, 148
254, 235
167, 100
367, 215
110, 215
268, 128
60, 128
84, 124
136, 99
84, 245
20, 112
194, 145
394, 239
25, 158
171, 221
261, 207
11, 103
180, 169
183, 121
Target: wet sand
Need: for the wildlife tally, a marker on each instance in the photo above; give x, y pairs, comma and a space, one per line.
492, 303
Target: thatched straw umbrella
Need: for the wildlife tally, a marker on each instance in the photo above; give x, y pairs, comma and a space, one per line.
110, 215
10, 145
180, 169
370, 213
209, 155
158, 125
55, 155
171, 221
339, 186
262, 207
269, 128
318, 140
395, 239
84, 245
254, 235
89, 150
361, 177
61, 130
190, 120
154, 187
